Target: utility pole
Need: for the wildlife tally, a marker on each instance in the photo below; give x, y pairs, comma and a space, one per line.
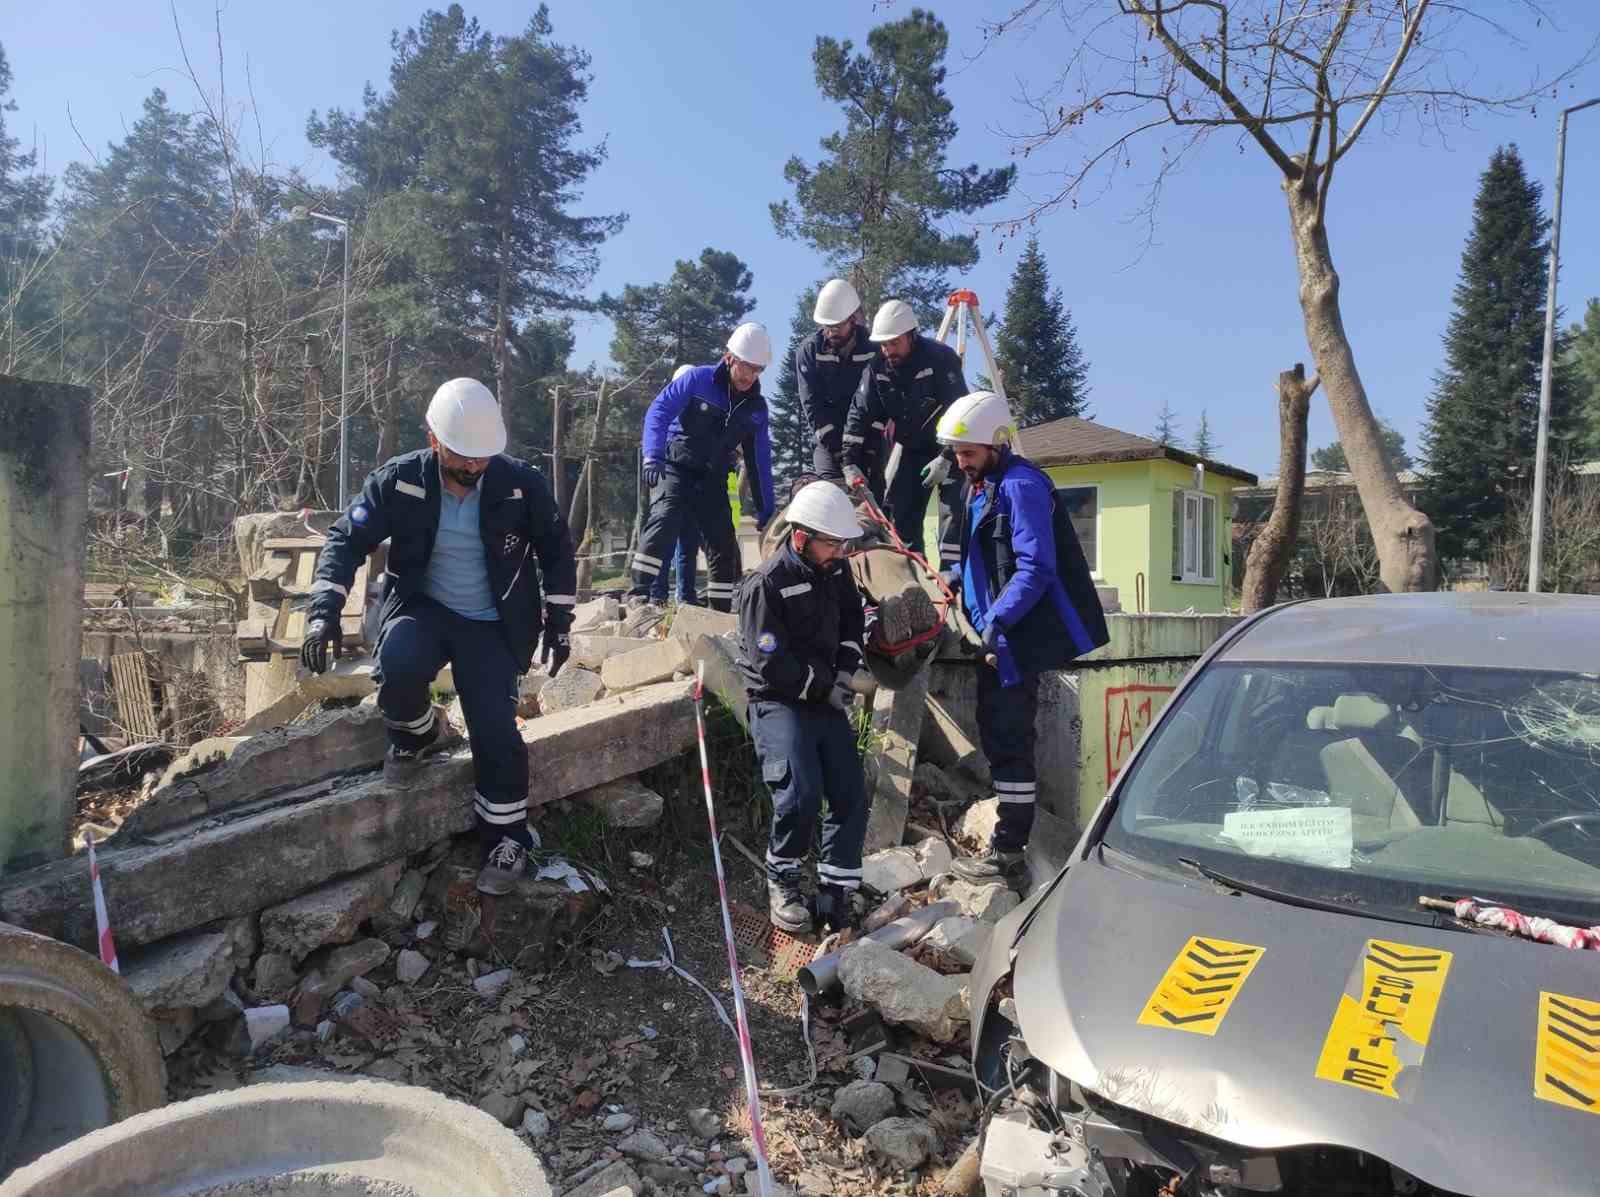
557, 466
1542, 451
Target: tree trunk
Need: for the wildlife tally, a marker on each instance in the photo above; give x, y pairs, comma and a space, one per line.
389, 411
502, 373
310, 422
1408, 558
1270, 554
558, 466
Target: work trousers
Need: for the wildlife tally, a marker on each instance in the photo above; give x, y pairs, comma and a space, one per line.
906, 505
412, 647
685, 563
807, 753
702, 498
1007, 716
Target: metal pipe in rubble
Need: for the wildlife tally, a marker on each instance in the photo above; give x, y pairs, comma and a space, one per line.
822, 974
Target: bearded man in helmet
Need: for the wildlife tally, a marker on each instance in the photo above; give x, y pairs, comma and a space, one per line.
690, 433
909, 384
465, 525
1025, 586
828, 366
800, 628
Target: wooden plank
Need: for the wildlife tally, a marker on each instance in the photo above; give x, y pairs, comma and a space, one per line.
293, 542
130, 682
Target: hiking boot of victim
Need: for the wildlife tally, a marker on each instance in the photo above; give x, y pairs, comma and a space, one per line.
786, 906
990, 865
504, 865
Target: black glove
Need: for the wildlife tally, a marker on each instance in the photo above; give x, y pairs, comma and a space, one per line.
652, 473
557, 648
762, 521
314, 648
842, 697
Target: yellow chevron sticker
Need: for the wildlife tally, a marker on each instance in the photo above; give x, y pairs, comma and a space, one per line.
1384, 1017
1566, 1060
1198, 987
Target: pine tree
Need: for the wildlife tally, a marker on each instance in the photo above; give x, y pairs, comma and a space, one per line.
1036, 346
1204, 445
874, 205
1166, 429
792, 440
1331, 457
1584, 356
1483, 415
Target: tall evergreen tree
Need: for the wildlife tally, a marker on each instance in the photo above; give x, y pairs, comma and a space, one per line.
1484, 412
1584, 354
24, 205
1166, 429
788, 427
873, 206
1036, 346
1331, 456
1205, 444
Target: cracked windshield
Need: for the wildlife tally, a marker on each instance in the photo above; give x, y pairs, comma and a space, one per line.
1328, 781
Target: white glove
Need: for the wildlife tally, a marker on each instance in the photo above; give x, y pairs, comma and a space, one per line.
936, 471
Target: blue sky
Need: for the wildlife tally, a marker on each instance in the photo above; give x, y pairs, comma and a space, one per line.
701, 104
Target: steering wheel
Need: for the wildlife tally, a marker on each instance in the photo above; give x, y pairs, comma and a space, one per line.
1563, 822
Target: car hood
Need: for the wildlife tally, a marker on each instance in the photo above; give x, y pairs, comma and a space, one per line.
1471, 1061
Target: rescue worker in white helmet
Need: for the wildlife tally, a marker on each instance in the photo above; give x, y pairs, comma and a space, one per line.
800, 630
1025, 586
690, 432
466, 526
685, 553
828, 366
908, 385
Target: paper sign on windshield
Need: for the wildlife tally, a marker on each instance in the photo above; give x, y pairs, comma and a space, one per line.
1316, 835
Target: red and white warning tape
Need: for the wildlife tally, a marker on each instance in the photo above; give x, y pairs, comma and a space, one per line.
102, 922
746, 1053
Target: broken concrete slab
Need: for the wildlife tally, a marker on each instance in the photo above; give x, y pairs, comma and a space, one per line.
349, 678
933, 857
189, 970
201, 755
897, 717
331, 744
656, 662
403, 903
274, 976
263, 857
987, 902
960, 937
903, 991
568, 690
330, 970
691, 623
891, 870
589, 650
719, 658
585, 616
627, 803
330, 914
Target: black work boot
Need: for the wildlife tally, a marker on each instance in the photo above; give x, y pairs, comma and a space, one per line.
786, 905
835, 910
992, 864
401, 765
503, 865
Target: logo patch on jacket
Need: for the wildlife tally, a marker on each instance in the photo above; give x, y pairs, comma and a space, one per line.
360, 514
767, 642
510, 545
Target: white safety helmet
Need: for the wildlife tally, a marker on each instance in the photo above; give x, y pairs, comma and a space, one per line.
981, 418
893, 318
465, 416
836, 302
681, 371
750, 343
823, 507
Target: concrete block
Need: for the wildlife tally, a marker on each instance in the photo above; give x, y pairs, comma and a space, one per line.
691, 623
264, 857
586, 616
903, 991
278, 689
589, 649
897, 717
626, 803
891, 870
329, 914
44, 494
192, 969
285, 758
569, 689
656, 662
719, 658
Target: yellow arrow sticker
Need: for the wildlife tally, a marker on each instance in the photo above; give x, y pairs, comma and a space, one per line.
1198, 987
1566, 1061
1384, 1018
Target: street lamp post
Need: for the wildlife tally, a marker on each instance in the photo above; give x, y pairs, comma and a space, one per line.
301, 212
1541, 450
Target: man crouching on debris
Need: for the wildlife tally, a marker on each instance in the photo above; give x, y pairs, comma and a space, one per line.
800, 625
462, 519
1025, 585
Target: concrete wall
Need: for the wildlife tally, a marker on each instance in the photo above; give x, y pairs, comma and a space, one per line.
1090, 717
43, 506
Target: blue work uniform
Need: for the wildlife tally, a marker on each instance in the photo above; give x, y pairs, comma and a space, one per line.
826, 378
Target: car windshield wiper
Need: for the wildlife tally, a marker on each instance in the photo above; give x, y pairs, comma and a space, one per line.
1387, 913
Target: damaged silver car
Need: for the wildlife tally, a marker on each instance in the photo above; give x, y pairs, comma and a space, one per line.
1253, 975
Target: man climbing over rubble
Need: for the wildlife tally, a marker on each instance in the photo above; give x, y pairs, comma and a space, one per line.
690, 432
685, 553
909, 384
1026, 588
464, 523
828, 366
800, 629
